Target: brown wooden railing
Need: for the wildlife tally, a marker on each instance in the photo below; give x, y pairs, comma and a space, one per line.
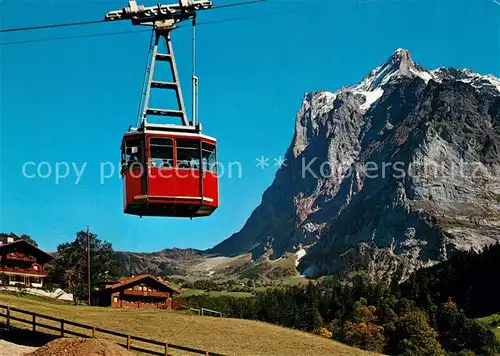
62, 330
142, 293
20, 258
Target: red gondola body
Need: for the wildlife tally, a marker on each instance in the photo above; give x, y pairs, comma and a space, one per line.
162, 171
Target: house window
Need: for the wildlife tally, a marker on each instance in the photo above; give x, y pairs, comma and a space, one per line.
162, 152
35, 267
36, 280
115, 299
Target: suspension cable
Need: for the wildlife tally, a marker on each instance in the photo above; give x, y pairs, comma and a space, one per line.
237, 4
93, 35
234, 19
146, 74
81, 23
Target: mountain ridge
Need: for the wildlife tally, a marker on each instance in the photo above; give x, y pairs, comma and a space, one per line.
347, 128
325, 214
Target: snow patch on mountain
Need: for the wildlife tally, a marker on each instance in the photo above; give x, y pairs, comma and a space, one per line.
371, 98
324, 103
400, 65
424, 74
300, 253
467, 76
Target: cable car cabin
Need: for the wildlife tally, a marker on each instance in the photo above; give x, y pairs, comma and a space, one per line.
169, 174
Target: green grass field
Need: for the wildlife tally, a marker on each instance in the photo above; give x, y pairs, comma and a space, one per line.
223, 335
493, 321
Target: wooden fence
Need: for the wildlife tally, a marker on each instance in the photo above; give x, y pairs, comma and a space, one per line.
62, 330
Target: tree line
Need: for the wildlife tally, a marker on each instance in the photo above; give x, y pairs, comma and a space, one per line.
4, 238
430, 314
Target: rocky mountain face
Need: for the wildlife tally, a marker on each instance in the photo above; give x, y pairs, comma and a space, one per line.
394, 173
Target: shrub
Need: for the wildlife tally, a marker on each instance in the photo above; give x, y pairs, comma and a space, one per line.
365, 336
324, 332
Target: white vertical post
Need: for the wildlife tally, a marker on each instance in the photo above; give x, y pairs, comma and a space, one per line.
195, 78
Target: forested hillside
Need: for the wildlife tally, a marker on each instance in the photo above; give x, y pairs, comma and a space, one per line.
471, 279
430, 314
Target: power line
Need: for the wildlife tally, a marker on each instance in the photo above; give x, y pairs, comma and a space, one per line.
287, 12
74, 37
81, 23
237, 4
279, 13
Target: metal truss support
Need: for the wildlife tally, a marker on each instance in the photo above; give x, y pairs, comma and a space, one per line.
173, 85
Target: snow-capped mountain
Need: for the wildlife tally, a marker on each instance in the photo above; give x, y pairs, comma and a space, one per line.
401, 65
329, 207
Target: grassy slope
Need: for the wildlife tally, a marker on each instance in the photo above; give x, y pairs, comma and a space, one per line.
489, 320
223, 335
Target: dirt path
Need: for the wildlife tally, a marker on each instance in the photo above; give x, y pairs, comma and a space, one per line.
10, 349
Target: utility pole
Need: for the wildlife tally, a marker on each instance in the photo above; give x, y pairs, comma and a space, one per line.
88, 263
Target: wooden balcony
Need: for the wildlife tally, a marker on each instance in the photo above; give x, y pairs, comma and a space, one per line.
143, 293
20, 271
20, 258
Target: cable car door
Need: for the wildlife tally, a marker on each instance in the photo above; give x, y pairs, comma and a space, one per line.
133, 170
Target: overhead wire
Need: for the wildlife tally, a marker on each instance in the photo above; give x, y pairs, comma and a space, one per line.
40, 27
93, 22
212, 22
287, 12
237, 4
127, 32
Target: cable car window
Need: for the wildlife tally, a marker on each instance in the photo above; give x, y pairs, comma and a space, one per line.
188, 153
209, 157
132, 152
162, 152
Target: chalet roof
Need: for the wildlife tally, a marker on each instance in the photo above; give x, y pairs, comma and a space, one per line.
135, 279
20, 243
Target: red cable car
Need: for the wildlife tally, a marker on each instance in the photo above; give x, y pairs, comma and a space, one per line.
168, 170
169, 174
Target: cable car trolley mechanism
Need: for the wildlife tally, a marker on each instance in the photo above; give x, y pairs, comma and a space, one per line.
168, 169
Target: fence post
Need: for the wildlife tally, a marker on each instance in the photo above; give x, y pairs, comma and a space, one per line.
8, 317
62, 327
206, 353
93, 332
166, 349
34, 322
128, 342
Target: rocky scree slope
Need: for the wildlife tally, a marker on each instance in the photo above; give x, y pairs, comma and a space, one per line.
394, 173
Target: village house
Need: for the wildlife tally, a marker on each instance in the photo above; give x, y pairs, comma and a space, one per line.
143, 291
22, 263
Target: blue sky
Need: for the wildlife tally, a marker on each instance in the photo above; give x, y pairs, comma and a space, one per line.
71, 100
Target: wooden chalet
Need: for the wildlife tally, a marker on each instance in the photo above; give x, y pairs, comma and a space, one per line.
22, 263
143, 291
